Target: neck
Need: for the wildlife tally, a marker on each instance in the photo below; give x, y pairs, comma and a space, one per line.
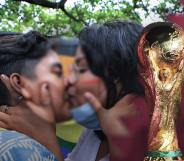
38, 129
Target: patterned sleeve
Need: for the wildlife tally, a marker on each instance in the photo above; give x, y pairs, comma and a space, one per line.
15, 146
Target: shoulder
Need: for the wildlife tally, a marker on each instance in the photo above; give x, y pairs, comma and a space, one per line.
20, 147
137, 102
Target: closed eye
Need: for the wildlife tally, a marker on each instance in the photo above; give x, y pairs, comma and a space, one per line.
82, 70
57, 70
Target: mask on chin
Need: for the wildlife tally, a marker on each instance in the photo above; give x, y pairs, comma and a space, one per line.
86, 116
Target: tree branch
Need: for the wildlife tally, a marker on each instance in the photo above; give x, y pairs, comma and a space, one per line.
144, 7
74, 18
135, 4
46, 3
54, 5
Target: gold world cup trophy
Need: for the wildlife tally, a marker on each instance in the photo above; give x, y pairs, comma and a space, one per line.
161, 55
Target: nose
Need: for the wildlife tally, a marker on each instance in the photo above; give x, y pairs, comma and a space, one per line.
70, 86
70, 81
72, 78
65, 82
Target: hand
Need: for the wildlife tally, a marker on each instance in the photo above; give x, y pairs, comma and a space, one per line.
25, 117
44, 110
35, 121
22, 119
126, 126
25, 121
110, 119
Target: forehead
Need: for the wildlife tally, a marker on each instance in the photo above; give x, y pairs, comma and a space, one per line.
48, 61
50, 58
79, 55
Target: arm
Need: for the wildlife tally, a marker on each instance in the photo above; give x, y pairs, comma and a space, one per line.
36, 121
25, 121
126, 127
134, 145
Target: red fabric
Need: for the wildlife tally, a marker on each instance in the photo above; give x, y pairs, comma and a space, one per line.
180, 124
182, 2
177, 19
134, 146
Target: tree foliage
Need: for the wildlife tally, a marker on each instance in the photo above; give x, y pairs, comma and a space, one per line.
55, 17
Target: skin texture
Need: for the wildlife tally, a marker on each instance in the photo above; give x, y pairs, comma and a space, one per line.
49, 70
126, 126
82, 80
82, 85
47, 88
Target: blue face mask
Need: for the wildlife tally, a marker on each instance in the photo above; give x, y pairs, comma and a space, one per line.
86, 116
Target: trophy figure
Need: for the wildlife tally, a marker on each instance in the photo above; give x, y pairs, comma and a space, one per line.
161, 54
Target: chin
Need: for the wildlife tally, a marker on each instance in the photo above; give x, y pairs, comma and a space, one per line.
63, 114
62, 118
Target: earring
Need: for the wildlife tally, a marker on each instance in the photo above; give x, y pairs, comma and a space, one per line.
19, 98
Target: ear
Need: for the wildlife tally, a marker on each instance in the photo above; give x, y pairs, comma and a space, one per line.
18, 84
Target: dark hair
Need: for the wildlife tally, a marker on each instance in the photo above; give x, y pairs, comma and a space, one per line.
110, 50
19, 53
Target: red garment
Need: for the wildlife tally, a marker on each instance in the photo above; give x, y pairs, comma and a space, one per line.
180, 124
177, 18
182, 2
134, 146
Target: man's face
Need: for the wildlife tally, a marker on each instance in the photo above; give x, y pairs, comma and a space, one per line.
49, 70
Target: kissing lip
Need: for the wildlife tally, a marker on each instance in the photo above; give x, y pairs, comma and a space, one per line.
72, 101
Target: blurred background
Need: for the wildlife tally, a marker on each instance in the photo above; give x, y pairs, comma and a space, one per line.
68, 17
62, 20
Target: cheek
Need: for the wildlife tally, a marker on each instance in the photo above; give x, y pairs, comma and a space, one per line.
60, 105
57, 90
90, 85
93, 85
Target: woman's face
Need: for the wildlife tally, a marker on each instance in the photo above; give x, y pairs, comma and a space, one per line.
49, 70
81, 80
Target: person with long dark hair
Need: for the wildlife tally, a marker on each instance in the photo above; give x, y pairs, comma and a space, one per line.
106, 68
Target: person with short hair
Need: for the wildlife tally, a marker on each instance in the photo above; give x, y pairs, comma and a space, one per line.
31, 65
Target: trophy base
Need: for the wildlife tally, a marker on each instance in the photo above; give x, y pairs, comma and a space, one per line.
163, 159
164, 156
